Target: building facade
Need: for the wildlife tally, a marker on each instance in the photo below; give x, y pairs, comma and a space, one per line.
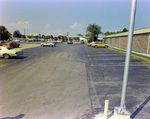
141, 40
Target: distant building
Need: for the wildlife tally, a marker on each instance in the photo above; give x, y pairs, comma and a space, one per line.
32, 34
141, 40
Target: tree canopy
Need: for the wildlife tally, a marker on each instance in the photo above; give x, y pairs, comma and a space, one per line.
5, 33
109, 33
79, 34
17, 33
94, 30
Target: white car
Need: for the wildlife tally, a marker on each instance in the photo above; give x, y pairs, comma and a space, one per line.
48, 44
90, 44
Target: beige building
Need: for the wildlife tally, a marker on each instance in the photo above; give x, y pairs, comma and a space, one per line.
141, 40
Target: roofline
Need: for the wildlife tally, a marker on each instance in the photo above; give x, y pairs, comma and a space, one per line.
139, 31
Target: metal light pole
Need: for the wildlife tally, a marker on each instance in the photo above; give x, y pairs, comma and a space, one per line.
27, 27
122, 109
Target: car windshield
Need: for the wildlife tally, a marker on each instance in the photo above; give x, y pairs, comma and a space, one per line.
9, 48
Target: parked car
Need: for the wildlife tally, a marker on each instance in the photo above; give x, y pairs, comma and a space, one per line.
90, 44
96, 45
70, 42
82, 42
8, 52
48, 44
11, 44
2, 42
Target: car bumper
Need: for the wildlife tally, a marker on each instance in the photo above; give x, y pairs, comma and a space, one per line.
19, 54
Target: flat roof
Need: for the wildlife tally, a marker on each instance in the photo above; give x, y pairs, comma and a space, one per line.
140, 31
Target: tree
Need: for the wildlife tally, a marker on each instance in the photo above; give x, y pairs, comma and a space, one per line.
55, 38
79, 34
94, 30
51, 37
124, 30
5, 33
29, 37
109, 33
88, 34
17, 33
43, 36
36, 37
23, 36
59, 37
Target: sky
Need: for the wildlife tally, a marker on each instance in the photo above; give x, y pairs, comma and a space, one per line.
54, 17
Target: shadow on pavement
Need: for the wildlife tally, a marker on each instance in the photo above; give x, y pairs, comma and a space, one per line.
140, 108
17, 117
133, 115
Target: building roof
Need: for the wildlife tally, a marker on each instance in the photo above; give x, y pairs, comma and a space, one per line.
140, 31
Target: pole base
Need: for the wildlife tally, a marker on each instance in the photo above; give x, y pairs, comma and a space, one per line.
123, 114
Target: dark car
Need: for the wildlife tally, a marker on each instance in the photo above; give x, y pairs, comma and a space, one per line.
2, 42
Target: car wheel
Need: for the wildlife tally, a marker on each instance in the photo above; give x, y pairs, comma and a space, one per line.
106, 46
96, 46
6, 56
52, 46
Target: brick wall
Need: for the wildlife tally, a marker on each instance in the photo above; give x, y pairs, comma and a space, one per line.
140, 42
122, 42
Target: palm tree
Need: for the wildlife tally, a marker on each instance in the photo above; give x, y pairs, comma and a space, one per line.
94, 30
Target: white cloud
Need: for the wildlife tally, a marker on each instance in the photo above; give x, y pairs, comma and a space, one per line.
46, 26
58, 30
77, 26
18, 26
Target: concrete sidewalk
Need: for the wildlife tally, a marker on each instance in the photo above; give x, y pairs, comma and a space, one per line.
26, 46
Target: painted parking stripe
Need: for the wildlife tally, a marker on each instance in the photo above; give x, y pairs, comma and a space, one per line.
106, 55
122, 64
2, 65
110, 58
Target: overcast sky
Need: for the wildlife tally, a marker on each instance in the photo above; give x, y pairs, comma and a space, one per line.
54, 17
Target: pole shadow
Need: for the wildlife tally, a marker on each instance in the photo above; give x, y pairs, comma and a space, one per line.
140, 108
16, 117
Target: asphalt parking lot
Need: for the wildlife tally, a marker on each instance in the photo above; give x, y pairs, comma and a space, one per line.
105, 74
71, 81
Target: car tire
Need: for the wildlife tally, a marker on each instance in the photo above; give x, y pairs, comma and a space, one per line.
96, 46
106, 46
52, 46
6, 56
